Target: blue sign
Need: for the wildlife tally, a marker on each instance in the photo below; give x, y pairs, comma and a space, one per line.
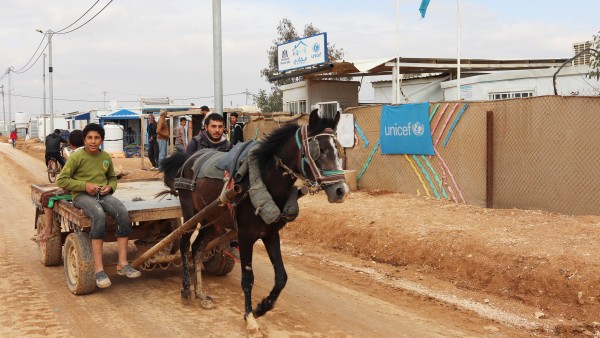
405, 129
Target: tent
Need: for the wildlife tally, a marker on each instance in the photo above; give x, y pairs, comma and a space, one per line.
122, 114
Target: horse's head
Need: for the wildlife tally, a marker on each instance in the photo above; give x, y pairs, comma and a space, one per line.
321, 154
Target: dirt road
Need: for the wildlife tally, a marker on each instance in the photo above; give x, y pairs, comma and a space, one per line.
328, 294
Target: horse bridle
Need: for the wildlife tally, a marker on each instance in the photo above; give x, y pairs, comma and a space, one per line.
309, 151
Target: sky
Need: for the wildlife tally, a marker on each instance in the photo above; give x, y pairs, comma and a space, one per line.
155, 48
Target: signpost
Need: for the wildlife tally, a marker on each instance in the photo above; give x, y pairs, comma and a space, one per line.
302, 53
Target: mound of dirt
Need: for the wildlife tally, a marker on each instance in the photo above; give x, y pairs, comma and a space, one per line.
545, 260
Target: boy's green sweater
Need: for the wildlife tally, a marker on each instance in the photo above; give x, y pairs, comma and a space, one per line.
82, 167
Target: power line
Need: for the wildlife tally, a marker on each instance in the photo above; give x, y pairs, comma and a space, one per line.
72, 30
69, 100
31, 58
33, 64
74, 22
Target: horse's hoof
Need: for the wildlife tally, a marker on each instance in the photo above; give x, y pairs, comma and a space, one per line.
252, 326
206, 303
185, 297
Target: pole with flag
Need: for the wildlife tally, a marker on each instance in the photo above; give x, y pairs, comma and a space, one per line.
423, 8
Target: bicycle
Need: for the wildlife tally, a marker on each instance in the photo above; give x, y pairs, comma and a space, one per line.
54, 167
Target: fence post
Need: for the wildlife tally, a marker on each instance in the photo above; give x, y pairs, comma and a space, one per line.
489, 166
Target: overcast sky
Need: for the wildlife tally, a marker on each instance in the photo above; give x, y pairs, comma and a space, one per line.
156, 48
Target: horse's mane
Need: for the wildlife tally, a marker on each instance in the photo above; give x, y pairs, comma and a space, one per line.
268, 146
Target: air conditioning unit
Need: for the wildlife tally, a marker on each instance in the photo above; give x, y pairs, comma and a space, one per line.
584, 58
328, 109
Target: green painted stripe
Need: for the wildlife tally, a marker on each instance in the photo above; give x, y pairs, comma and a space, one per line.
431, 184
437, 178
434, 111
368, 161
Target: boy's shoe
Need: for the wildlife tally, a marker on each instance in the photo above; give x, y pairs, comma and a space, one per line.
129, 271
102, 280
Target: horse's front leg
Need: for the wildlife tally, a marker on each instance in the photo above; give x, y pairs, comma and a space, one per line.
184, 248
273, 246
246, 245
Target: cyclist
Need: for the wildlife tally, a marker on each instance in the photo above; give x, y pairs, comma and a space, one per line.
53, 142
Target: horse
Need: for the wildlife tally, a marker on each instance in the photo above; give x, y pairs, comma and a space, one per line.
309, 153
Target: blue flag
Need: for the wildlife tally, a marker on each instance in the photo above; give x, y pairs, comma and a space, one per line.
405, 129
423, 8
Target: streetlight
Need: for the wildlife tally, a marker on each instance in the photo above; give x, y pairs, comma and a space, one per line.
50, 86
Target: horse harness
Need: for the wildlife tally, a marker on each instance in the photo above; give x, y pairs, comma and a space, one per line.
309, 152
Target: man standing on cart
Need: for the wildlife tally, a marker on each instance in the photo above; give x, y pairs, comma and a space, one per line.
90, 176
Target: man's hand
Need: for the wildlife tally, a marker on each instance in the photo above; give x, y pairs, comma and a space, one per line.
105, 190
92, 188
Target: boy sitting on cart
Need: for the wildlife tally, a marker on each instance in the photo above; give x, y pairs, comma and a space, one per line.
90, 176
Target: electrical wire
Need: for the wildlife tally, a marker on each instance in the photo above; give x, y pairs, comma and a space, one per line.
33, 64
69, 100
72, 30
32, 56
74, 22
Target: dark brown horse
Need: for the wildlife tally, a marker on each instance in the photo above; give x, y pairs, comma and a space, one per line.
309, 153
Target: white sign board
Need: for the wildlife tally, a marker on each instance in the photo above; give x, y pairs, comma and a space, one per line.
345, 130
302, 53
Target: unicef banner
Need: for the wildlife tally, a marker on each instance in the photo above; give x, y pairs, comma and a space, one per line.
405, 129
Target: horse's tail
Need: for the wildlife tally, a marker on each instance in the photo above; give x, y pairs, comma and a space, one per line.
170, 166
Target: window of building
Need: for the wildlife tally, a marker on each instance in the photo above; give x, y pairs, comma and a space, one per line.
510, 95
302, 107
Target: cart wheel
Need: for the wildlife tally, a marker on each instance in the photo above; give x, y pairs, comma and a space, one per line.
50, 249
219, 265
79, 264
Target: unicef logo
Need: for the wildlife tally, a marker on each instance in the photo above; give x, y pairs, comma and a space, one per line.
418, 128
316, 47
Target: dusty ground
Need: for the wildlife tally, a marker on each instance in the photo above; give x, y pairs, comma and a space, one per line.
458, 270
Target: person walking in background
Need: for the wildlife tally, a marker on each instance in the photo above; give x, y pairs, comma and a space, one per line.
181, 140
236, 133
162, 134
152, 142
204, 110
13, 138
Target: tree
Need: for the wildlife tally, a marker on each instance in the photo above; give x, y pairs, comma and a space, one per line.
287, 32
595, 60
269, 103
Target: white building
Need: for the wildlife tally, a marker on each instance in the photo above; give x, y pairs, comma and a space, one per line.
302, 97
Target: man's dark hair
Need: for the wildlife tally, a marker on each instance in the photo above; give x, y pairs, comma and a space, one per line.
204, 108
76, 138
93, 127
213, 117
182, 119
57, 131
233, 114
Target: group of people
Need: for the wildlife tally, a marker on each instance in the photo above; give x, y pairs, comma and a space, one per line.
212, 135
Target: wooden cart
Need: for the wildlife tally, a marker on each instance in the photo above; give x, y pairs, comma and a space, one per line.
152, 220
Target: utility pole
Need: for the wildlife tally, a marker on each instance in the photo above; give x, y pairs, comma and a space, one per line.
104, 102
3, 111
50, 71
247, 96
44, 112
217, 57
9, 96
